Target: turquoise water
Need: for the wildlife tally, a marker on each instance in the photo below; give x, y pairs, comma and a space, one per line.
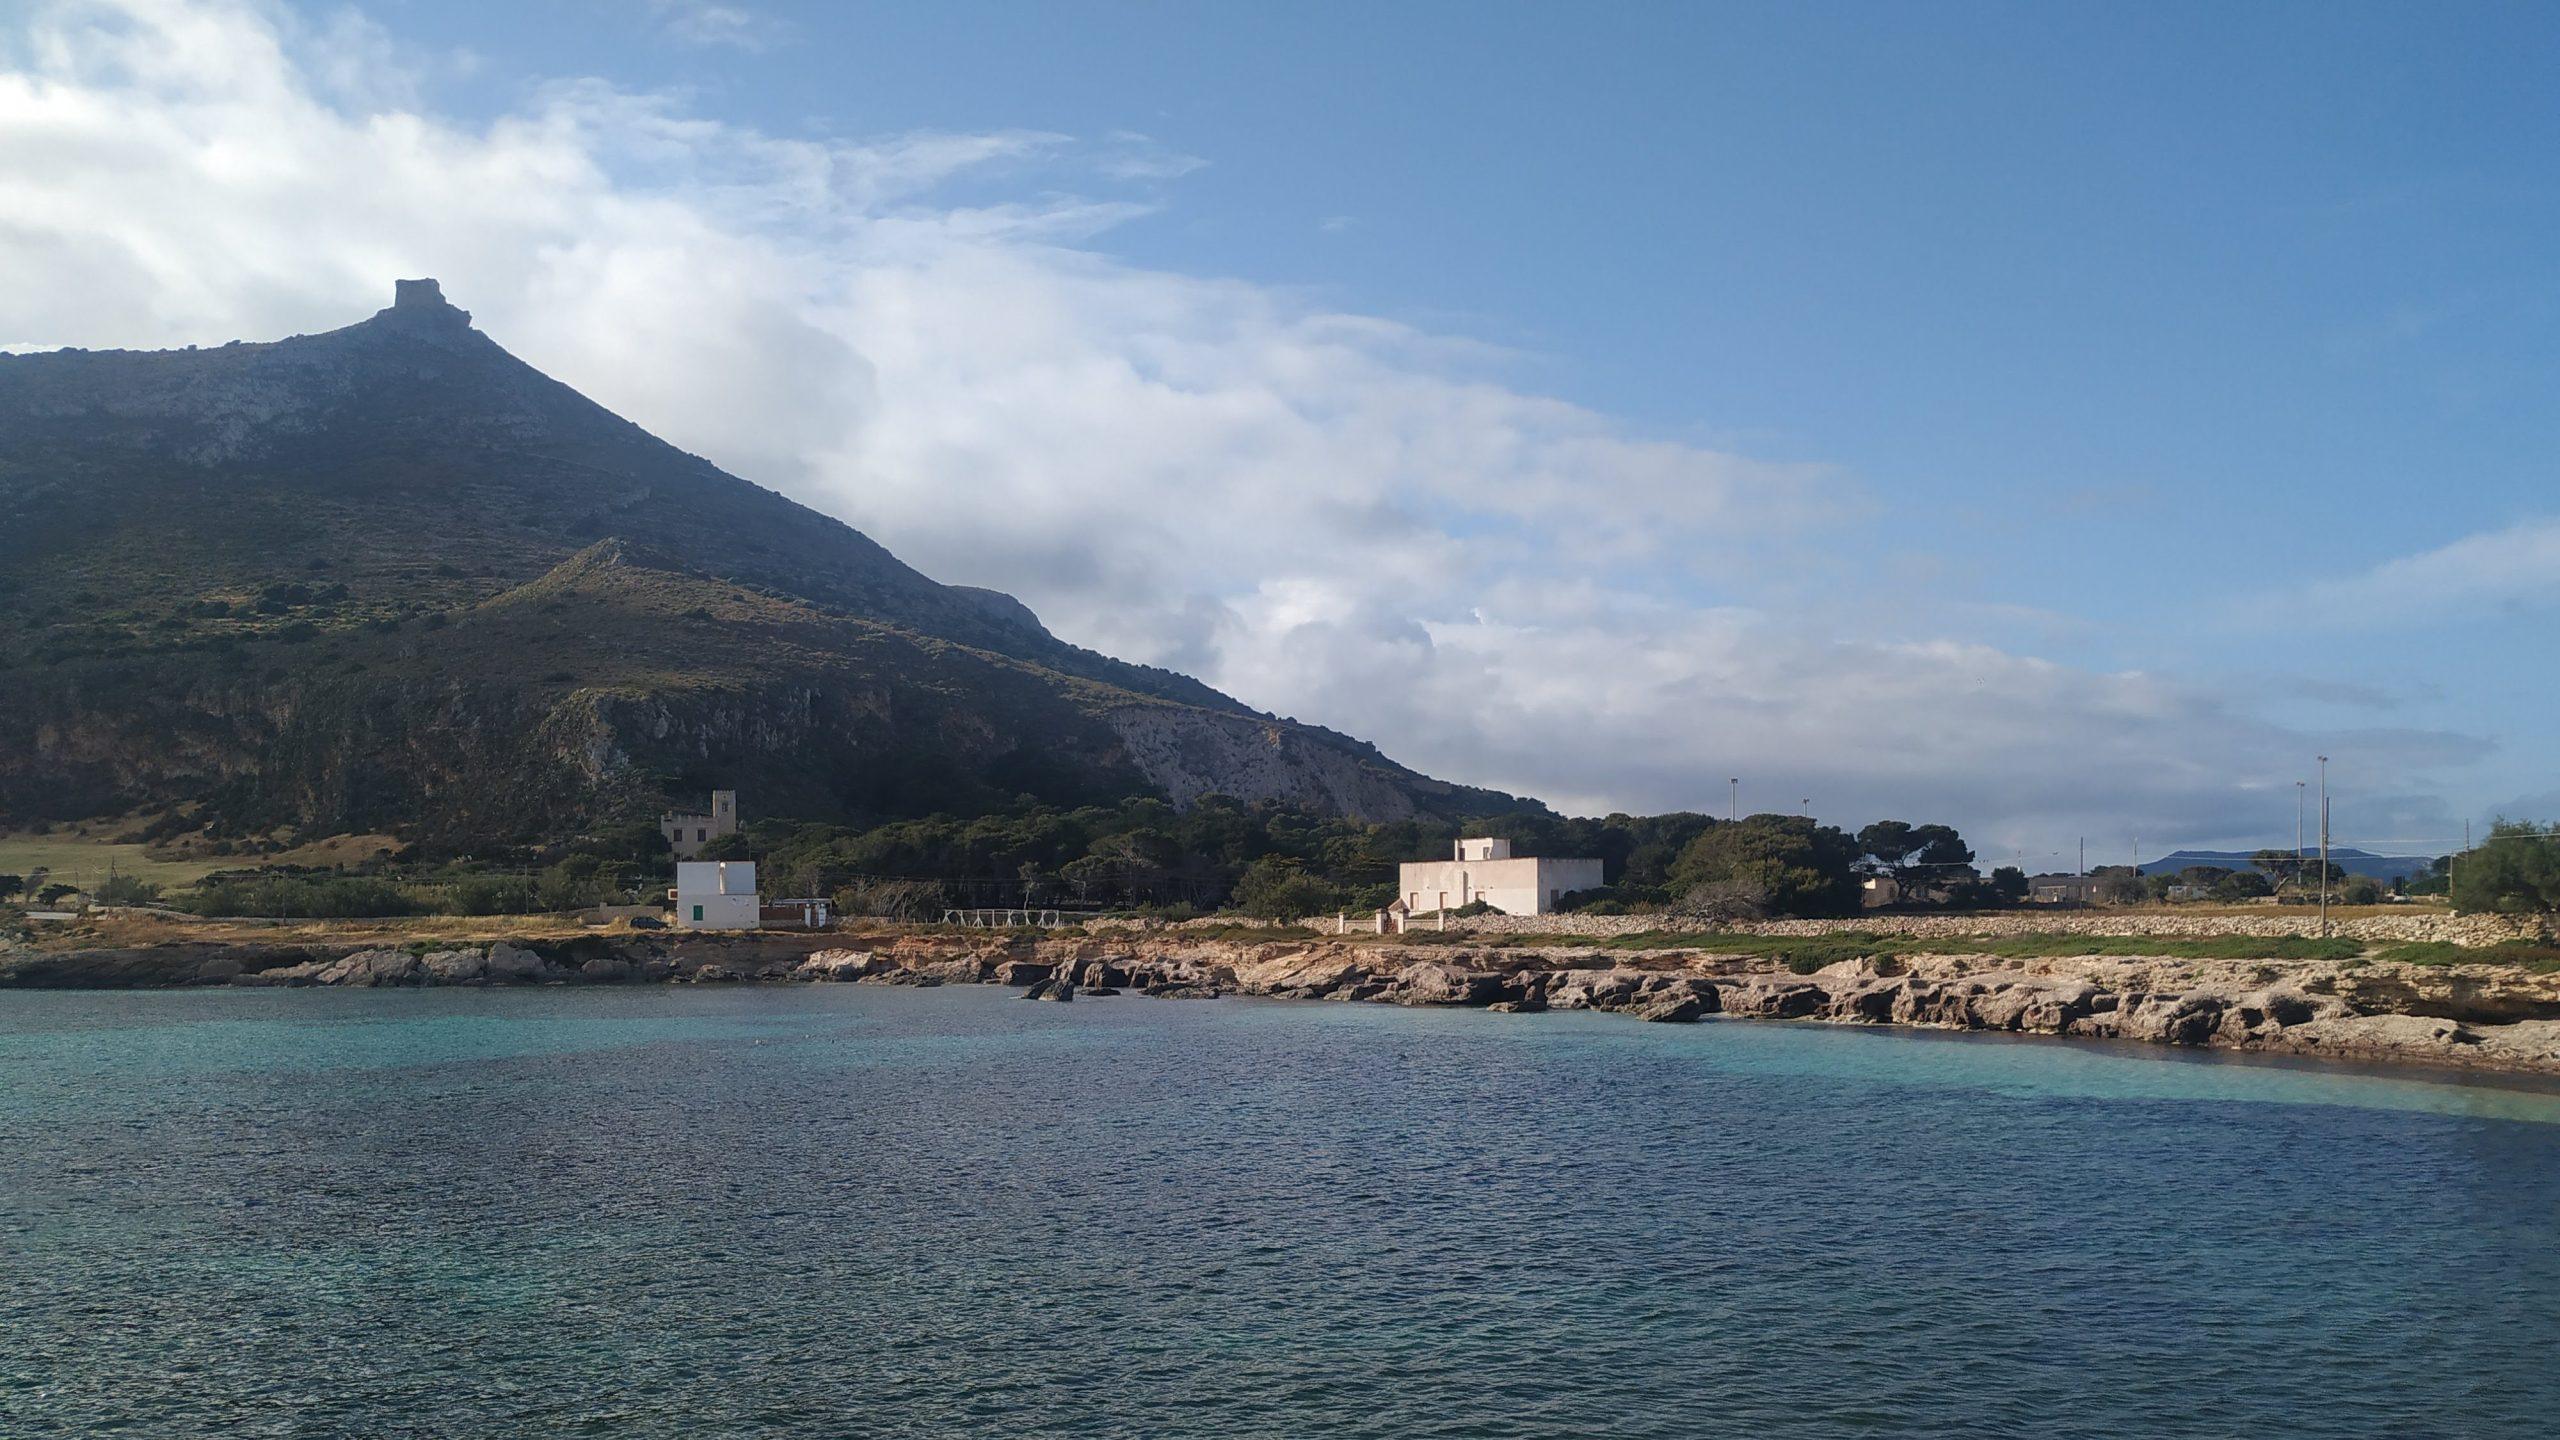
861, 1211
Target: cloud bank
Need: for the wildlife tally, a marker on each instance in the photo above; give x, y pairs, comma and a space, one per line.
1331, 515
2513, 569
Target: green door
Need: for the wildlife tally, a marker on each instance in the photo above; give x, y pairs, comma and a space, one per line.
697, 912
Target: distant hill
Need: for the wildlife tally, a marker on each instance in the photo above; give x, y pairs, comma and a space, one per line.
392, 579
2392, 868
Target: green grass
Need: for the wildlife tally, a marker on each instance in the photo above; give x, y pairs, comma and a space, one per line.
2217, 947
85, 860
2525, 954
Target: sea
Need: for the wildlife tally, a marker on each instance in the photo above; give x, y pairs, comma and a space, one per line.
859, 1211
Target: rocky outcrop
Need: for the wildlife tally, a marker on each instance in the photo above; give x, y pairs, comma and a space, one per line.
2470, 1015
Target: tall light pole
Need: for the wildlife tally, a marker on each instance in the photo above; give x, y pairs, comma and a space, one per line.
2301, 791
2324, 847
1733, 799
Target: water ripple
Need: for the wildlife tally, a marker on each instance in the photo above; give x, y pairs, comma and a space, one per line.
851, 1211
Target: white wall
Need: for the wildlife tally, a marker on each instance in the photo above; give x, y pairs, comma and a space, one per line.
718, 912
717, 877
1514, 887
724, 891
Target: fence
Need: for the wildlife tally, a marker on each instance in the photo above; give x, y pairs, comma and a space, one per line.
1004, 919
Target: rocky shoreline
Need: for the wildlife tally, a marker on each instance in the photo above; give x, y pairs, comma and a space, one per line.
2474, 1016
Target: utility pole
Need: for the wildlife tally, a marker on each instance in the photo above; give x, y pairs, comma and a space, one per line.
2324, 847
1733, 799
2084, 857
2300, 805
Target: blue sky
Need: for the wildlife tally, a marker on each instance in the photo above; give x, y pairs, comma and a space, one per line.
2045, 346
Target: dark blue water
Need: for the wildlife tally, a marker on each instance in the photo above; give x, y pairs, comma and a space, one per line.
857, 1211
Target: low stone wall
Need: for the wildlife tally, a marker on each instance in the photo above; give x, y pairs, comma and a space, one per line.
2386, 929
2458, 929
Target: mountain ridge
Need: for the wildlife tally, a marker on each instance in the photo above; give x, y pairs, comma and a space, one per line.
397, 539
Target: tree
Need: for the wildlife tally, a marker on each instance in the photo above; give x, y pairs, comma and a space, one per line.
1277, 889
2242, 885
2279, 866
1775, 864
1918, 857
2009, 883
12, 885
2118, 884
2516, 871
573, 884
2436, 879
53, 894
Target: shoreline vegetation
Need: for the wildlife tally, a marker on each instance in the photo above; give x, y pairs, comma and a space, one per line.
2484, 1007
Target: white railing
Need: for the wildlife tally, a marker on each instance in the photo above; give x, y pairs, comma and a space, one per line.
1003, 919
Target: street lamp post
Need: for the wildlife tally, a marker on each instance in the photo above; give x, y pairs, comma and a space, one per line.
2324, 847
2301, 791
1733, 799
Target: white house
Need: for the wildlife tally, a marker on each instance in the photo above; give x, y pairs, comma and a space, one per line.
1485, 869
716, 895
687, 831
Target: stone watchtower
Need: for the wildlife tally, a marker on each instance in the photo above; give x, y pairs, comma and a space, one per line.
687, 831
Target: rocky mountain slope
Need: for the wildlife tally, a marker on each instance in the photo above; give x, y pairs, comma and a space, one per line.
390, 578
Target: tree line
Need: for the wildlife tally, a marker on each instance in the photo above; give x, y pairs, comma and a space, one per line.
1276, 860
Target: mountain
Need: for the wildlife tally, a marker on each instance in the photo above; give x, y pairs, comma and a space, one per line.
2392, 868
392, 579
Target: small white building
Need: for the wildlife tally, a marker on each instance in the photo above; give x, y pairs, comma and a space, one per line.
716, 895
1485, 869
687, 831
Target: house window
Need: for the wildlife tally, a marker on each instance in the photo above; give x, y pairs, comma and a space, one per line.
697, 912
701, 834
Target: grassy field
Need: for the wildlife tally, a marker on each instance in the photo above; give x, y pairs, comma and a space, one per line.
83, 856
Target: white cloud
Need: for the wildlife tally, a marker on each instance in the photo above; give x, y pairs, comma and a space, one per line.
2516, 567
704, 22
1331, 515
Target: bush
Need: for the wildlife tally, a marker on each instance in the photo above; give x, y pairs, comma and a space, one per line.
892, 899
125, 890
299, 898
489, 895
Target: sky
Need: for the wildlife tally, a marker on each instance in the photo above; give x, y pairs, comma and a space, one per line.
2063, 421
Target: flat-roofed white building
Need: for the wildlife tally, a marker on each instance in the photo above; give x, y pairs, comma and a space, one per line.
716, 895
1485, 869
